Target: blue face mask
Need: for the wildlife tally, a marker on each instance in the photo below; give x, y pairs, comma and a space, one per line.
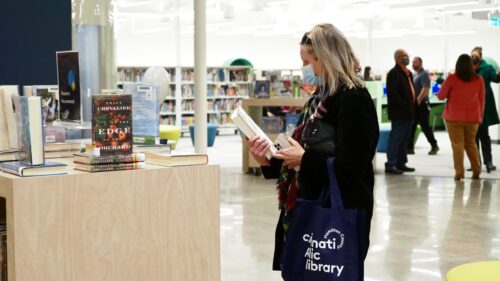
309, 76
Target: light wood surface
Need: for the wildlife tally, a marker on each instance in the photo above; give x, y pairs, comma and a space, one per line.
254, 108
157, 223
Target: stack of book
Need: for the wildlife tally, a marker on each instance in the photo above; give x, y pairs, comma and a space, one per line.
31, 159
90, 163
112, 147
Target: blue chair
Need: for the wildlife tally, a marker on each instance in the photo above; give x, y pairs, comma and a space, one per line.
211, 133
383, 139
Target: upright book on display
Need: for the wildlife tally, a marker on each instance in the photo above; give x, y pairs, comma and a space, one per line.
145, 115
10, 93
112, 124
30, 130
68, 78
50, 101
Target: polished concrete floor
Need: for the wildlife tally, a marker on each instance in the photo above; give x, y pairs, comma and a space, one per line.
423, 225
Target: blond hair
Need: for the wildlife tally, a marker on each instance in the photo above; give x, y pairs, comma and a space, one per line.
336, 57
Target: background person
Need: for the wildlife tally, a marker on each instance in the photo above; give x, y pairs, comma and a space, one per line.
489, 75
422, 85
401, 100
465, 98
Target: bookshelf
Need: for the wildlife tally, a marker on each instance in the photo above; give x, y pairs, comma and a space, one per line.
226, 87
283, 83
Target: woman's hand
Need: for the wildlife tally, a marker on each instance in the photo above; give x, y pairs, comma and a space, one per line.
291, 156
258, 148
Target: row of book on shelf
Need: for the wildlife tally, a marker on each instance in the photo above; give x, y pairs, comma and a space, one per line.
136, 74
214, 105
215, 91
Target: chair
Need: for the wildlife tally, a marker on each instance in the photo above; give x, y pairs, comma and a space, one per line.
170, 132
383, 139
211, 133
478, 271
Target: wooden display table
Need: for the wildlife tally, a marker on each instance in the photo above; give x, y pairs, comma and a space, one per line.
158, 223
254, 108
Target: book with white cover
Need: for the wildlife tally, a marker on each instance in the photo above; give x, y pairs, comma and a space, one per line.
246, 124
4, 138
8, 96
30, 130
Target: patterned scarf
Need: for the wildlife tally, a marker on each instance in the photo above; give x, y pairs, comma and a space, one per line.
287, 186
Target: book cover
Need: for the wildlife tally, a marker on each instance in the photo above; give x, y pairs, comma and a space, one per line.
145, 116
110, 167
85, 158
68, 79
4, 138
24, 170
50, 101
246, 124
9, 94
262, 89
112, 124
173, 160
54, 134
30, 130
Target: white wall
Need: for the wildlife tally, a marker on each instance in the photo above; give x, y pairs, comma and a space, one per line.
271, 52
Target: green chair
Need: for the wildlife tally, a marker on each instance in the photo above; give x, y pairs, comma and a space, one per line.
170, 132
478, 271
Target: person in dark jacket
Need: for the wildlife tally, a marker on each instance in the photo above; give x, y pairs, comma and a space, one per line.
342, 102
401, 102
489, 75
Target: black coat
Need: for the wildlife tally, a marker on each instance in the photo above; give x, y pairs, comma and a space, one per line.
400, 103
353, 115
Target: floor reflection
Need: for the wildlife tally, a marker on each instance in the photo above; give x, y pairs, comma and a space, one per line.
422, 226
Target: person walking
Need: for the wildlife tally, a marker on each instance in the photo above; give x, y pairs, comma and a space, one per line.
489, 75
465, 100
401, 101
422, 85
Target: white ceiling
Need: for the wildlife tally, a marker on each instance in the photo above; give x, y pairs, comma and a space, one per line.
385, 18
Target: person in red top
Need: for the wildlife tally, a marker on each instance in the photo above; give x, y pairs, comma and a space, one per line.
465, 94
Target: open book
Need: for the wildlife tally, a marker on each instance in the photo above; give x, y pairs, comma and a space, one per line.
246, 124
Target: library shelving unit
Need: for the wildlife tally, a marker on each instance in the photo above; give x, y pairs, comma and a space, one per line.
168, 110
283, 83
226, 87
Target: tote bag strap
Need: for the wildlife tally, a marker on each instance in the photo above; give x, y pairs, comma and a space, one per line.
335, 196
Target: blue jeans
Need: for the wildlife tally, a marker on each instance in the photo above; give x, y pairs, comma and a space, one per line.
398, 143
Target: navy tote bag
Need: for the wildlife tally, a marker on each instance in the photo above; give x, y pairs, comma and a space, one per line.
323, 243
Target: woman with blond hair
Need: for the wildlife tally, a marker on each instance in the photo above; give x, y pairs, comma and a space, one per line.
343, 106
465, 96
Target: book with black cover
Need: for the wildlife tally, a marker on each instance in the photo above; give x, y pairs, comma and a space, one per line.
68, 79
112, 124
30, 130
24, 170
